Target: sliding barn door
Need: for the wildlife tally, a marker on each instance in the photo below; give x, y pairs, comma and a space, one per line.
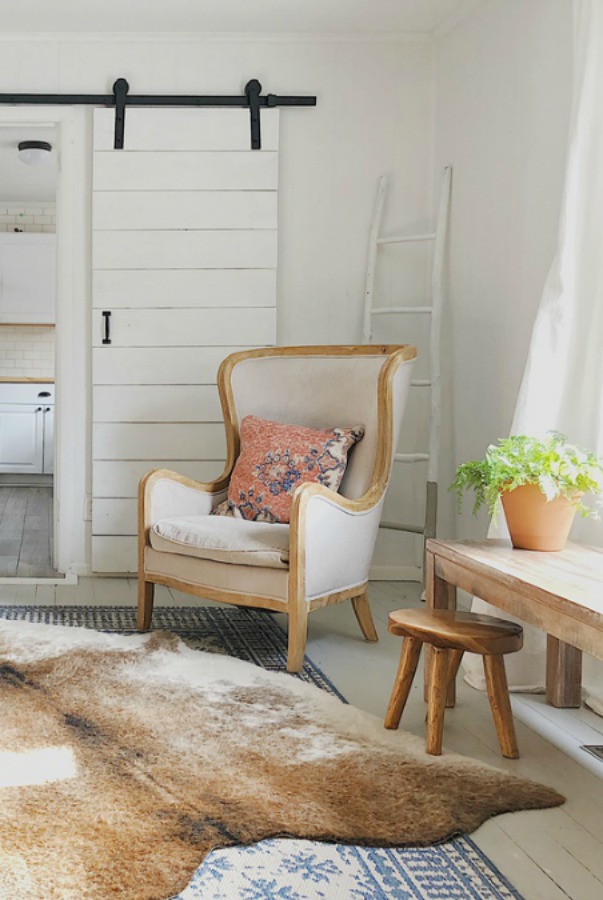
184, 261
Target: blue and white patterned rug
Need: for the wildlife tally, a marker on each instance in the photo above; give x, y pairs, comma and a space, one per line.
292, 869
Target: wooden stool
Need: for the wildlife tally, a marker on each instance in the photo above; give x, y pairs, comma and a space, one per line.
450, 634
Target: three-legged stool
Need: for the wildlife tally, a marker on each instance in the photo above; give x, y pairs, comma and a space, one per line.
450, 634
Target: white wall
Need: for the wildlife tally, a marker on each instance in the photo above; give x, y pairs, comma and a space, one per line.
374, 115
503, 94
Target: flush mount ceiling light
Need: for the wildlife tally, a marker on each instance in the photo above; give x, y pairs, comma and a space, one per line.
34, 153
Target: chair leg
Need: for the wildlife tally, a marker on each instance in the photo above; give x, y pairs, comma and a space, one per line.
438, 689
146, 594
364, 616
298, 636
500, 703
409, 659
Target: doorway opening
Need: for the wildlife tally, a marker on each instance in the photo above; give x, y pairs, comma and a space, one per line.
28, 185
44, 358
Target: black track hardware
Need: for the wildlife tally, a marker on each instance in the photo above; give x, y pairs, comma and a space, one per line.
252, 99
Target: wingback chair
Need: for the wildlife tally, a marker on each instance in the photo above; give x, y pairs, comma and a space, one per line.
323, 555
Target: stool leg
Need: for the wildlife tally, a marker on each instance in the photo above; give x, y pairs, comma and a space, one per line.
498, 693
409, 659
438, 688
456, 657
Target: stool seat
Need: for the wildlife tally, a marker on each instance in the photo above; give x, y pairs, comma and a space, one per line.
455, 630
450, 634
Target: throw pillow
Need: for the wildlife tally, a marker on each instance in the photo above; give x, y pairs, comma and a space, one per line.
275, 459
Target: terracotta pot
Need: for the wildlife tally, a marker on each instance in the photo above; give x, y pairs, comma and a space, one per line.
536, 523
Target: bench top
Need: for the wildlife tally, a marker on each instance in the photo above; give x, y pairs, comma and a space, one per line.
574, 574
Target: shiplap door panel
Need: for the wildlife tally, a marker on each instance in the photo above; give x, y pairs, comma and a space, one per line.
184, 249
119, 478
114, 553
184, 258
182, 327
115, 517
157, 365
185, 129
187, 171
157, 403
143, 440
148, 289
137, 210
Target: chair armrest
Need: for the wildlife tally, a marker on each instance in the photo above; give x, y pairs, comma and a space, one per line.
163, 494
332, 538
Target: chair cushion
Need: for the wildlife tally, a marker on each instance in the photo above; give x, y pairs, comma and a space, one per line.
224, 540
275, 459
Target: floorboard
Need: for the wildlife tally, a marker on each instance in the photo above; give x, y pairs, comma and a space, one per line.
26, 532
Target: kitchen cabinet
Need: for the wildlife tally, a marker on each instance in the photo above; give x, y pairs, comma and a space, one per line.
27, 278
27, 429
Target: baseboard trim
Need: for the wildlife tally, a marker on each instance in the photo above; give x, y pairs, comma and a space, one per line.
68, 578
396, 573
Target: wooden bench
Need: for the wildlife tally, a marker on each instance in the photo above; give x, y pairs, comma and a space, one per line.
561, 593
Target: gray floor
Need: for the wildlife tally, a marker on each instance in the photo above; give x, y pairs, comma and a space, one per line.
26, 532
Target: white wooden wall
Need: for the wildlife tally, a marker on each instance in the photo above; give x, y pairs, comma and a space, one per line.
184, 257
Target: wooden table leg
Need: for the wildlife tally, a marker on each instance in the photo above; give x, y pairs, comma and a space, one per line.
563, 674
438, 595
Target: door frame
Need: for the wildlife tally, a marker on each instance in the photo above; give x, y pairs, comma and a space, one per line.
72, 355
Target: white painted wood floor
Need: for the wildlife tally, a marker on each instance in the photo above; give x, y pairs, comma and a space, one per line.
548, 854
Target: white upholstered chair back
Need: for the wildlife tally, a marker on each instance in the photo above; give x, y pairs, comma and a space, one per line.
323, 390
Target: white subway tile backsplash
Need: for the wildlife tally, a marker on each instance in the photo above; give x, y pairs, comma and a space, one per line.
27, 352
24, 217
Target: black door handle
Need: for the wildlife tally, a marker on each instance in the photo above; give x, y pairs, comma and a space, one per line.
106, 314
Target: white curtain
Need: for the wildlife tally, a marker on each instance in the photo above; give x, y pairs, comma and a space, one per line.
562, 387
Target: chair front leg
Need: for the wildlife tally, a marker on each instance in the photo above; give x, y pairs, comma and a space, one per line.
298, 633
146, 594
364, 616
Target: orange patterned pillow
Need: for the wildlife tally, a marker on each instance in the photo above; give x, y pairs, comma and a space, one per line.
275, 459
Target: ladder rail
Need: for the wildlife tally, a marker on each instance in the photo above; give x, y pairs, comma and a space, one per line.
439, 237
367, 329
435, 349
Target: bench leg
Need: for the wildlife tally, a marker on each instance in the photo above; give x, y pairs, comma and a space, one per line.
438, 689
563, 674
438, 595
409, 659
498, 693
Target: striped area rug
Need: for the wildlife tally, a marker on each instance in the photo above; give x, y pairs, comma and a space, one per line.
291, 869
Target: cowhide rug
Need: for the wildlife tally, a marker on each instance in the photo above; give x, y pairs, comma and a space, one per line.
124, 760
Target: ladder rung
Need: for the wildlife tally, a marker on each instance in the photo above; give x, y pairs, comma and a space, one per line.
420, 382
400, 310
410, 457
397, 526
406, 239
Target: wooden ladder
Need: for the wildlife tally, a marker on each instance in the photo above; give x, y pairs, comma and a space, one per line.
434, 310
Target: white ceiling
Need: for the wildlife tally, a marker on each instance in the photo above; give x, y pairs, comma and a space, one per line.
239, 16
18, 181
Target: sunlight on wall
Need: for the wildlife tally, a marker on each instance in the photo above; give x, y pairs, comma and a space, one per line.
36, 766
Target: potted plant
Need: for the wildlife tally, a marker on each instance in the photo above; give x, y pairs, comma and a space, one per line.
540, 484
